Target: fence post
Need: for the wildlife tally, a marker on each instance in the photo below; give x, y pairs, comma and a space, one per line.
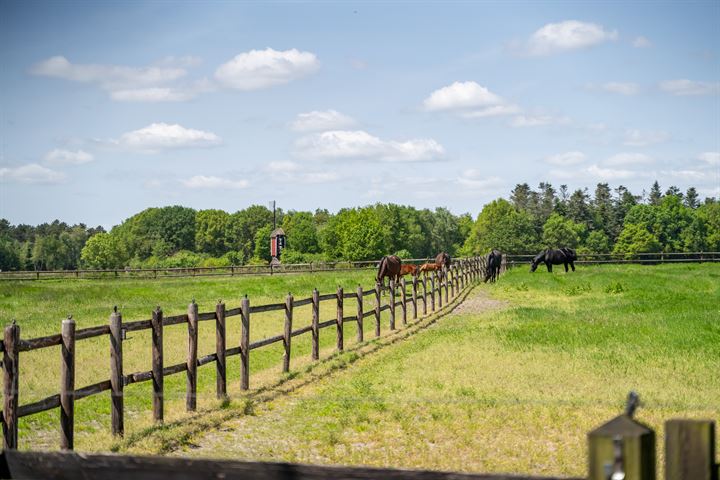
157, 364
414, 297
360, 332
424, 294
191, 394
67, 384
377, 309
245, 345
287, 334
690, 450
403, 299
220, 347
451, 280
432, 291
445, 275
116, 373
438, 276
339, 319
11, 371
315, 324
392, 305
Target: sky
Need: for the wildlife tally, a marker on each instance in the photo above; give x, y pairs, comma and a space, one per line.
108, 108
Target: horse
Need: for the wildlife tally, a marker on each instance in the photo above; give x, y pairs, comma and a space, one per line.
493, 260
429, 267
389, 266
443, 260
555, 257
408, 268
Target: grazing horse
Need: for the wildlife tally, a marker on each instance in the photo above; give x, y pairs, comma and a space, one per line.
555, 257
493, 261
408, 268
389, 267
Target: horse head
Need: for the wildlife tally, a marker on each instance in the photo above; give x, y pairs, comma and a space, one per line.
536, 261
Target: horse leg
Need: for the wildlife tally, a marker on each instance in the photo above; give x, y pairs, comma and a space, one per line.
549, 266
572, 264
566, 269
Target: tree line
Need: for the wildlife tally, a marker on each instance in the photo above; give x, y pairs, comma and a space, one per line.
531, 219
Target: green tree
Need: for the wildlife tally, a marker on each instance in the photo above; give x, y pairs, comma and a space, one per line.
501, 226
104, 251
561, 232
578, 208
636, 238
597, 242
691, 198
212, 232
245, 224
655, 194
301, 232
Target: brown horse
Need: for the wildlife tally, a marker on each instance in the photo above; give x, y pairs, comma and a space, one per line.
443, 260
389, 266
408, 268
429, 267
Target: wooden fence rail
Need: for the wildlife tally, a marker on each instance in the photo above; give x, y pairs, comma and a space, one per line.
447, 281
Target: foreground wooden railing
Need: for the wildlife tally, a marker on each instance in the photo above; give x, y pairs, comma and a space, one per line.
439, 287
621, 449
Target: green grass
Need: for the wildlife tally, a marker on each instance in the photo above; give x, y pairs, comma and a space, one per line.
510, 390
40, 306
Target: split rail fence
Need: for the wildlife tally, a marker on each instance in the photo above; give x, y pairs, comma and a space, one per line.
420, 297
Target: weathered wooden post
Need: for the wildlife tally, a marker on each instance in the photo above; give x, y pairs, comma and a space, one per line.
403, 300
315, 324
116, 373
392, 305
690, 450
451, 280
360, 333
414, 297
424, 294
339, 320
432, 291
446, 278
191, 394
11, 375
287, 334
377, 309
440, 288
245, 345
622, 448
157, 364
220, 347
67, 384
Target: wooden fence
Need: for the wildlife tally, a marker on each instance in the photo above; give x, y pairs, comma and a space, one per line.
429, 293
621, 449
238, 270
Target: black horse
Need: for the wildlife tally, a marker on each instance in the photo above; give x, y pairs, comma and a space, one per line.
555, 257
493, 260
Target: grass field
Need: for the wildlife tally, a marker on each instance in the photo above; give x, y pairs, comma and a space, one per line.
39, 308
513, 386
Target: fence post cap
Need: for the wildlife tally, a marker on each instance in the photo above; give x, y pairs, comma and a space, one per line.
115, 309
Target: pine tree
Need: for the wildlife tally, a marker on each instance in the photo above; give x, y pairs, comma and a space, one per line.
655, 194
691, 198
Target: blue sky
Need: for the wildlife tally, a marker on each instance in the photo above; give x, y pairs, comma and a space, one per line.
108, 108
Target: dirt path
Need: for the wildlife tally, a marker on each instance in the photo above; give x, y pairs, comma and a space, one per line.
478, 302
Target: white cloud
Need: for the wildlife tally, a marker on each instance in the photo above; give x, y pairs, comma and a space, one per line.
495, 111
110, 77
161, 136
537, 121
202, 181
325, 120
641, 42
684, 87
566, 36
638, 138
623, 88
686, 175
153, 94
265, 68
287, 171
67, 157
355, 144
282, 167
474, 179
461, 95
566, 159
713, 158
622, 159
31, 174
600, 173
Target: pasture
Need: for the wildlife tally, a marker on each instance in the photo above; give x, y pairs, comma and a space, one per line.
39, 308
510, 382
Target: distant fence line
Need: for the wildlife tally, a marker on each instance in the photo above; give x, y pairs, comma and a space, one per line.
238, 270
424, 295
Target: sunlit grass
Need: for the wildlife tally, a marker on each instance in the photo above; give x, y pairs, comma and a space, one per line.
514, 390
